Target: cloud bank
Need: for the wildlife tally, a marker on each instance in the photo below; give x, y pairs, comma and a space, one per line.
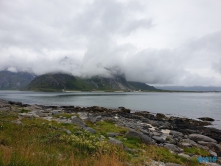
164, 42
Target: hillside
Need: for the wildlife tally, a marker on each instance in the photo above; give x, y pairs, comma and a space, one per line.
191, 88
14, 81
59, 82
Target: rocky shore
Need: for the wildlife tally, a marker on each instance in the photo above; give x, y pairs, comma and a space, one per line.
173, 133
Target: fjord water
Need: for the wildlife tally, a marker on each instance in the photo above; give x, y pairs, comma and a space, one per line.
191, 105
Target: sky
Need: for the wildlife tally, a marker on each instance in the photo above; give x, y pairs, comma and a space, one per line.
157, 42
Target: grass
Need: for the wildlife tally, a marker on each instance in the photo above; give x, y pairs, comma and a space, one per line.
104, 127
40, 142
196, 151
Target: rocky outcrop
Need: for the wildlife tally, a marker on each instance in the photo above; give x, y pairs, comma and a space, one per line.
199, 137
173, 133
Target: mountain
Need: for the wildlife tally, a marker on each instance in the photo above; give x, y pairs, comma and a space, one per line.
190, 88
59, 82
14, 81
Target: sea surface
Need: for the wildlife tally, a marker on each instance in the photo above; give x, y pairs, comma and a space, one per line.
190, 105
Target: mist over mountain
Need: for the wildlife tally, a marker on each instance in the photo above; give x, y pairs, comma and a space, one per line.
144, 40
14, 81
66, 82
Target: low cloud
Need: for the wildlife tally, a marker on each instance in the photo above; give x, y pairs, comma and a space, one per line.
143, 41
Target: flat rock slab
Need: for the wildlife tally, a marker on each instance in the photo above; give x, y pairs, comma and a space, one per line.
172, 147
199, 137
135, 134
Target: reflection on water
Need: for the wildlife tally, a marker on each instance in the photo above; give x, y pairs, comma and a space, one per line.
191, 105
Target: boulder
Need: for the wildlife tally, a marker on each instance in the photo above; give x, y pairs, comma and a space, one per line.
206, 119
94, 119
158, 139
160, 116
90, 130
115, 142
176, 133
199, 137
56, 112
212, 146
135, 134
77, 121
172, 147
112, 134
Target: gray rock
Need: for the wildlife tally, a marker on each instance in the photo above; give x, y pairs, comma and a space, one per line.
212, 146
115, 142
93, 119
112, 134
77, 121
212, 153
27, 115
135, 134
172, 147
56, 112
206, 119
199, 137
172, 164
184, 155
170, 139
67, 131
184, 144
160, 116
158, 139
176, 133
191, 142
90, 130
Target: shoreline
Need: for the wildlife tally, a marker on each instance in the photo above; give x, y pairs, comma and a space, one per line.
157, 120
158, 129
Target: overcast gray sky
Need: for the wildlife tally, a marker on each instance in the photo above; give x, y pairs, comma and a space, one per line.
158, 42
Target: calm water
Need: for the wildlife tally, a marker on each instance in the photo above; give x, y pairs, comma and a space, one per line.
191, 105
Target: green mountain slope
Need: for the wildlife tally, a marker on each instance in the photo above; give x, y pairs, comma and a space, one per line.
14, 81
59, 82
141, 86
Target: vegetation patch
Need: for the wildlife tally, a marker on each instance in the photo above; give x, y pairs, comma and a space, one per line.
196, 151
36, 141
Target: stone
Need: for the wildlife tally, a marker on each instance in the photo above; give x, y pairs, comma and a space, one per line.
158, 139
77, 121
67, 131
172, 147
184, 155
212, 146
176, 133
93, 119
90, 130
206, 119
199, 137
184, 144
112, 134
135, 134
160, 116
56, 112
172, 164
115, 142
